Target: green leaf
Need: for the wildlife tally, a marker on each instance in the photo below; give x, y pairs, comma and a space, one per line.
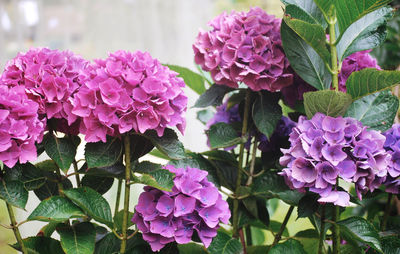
309, 8
205, 115
313, 34
369, 81
191, 248
78, 238
349, 11
140, 146
257, 249
111, 244
47, 165
14, 193
223, 135
56, 209
50, 188
376, 110
304, 60
390, 245
308, 205
28, 174
98, 183
48, 229
92, 203
40, 245
193, 80
161, 179
225, 244
357, 229
328, 102
118, 218
168, 144
101, 154
366, 33
117, 171
267, 113
291, 246
213, 96
61, 150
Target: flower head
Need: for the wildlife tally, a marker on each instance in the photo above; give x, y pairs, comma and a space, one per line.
325, 148
50, 78
392, 146
129, 91
244, 47
20, 126
194, 205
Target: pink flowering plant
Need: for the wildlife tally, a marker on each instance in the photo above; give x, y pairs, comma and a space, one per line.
296, 111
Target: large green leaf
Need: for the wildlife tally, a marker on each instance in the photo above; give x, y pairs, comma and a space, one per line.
291, 246
154, 175
357, 229
191, 248
101, 154
140, 146
213, 96
224, 244
328, 102
92, 203
56, 209
111, 244
309, 8
193, 80
369, 81
366, 33
14, 193
50, 187
98, 183
61, 150
118, 220
376, 110
117, 170
313, 34
78, 238
304, 60
266, 113
223, 135
308, 205
168, 144
28, 174
390, 245
40, 245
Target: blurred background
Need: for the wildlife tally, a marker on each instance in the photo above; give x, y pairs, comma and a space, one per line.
92, 28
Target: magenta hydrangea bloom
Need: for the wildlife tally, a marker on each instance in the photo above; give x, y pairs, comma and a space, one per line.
50, 78
355, 62
194, 205
20, 126
129, 91
244, 47
325, 148
392, 146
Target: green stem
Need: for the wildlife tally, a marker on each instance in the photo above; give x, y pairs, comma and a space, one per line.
334, 57
59, 182
15, 229
127, 193
278, 236
235, 219
252, 163
78, 180
387, 212
322, 233
335, 231
118, 197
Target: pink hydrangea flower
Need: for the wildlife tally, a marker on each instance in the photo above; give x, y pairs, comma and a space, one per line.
194, 205
20, 126
50, 78
244, 47
129, 91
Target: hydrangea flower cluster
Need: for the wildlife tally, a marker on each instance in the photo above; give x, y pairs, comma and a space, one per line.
20, 126
129, 91
50, 78
392, 145
293, 95
326, 148
244, 47
194, 205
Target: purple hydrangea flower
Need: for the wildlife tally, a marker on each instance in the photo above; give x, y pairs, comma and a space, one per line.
129, 91
392, 146
244, 47
193, 205
20, 126
325, 148
50, 78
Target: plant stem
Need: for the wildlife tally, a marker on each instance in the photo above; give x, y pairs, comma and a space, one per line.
335, 231
252, 163
15, 229
387, 212
283, 226
59, 182
241, 236
334, 58
118, 197
127, 147
240, 166
78, 180
322, 233
249, 238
